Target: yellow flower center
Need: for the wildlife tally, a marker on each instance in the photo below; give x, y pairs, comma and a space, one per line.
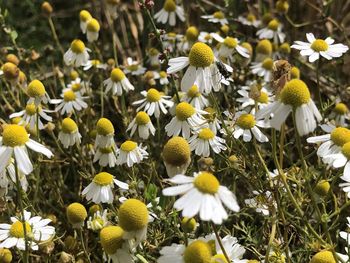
251, 17
163, 74
184, 111
192, 33
295, 93
246, 121
264, 47
219, 258
295, 73
169, 6
31, 109
133, 67
206, 134
177, 151
153, 95
14, 135
104, 127
263, 98
69, 95
224, 28
319, 45
5, 255
103, 179
323, 257
267, 64
106, 150
111, 239
74, 74
285, 48
133, 215
142, 118
340, 136
76, 87
230, 42
188, 224
76, 213
128, 146
69, 126
36, 89
273, 24
197, 252
341, 108
84, 15
346, 150
93, 25
248, 46
193, 92
17, 229
11, 71
219, 15
95, 62
206, 183
201, 55
77, 46
117, 75
153, 51
282, 6
322, 188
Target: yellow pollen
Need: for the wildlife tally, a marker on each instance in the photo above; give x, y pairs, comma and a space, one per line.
14, 135
193, 92
206, 134
84, 15
17, 229
93, 25
230, 42
319, 45
133, 215
197, 252
184, 111
246, 121
323, 257
295, 93
106, 150
76, 213
341, 108
267, 64
263, 98
177, 151
251, 17
142, 118
192, 34
201, 55
169, 6
69, 126
264, 47
69, 95
117, 75
273, 24
103, 179
163, 74
77, 46
206, 183
31, 109
219, 15
104, 127
36, 89
153, 95
76, 87
219, 258
128, 146
111, 239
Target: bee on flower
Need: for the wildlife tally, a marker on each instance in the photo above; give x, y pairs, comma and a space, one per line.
130, 153
229, 45
249, 20
273, 30
169, 12
71, 101
77, 55
117, 82
195, 98
143, 124
217, 17
84, 17
134, 68
69, 134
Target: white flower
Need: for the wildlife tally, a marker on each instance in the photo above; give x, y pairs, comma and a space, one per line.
69, 135
134, 68
203, 195
35, 227
249, 20
340, 114
217, 17
316, 47
84, 17
345, 185
92, 30
130, 153
100, 189
254, 94
204, 140
154, 102
117, 82
228, 45
169, 12
195, 98
263, 69
205, 37
106, 156
261, 202
77, 85
70, 101
98, 220
94, 63
272, 31
14, 142
8, 179
142, 123
77, 55
162, 76
341, 159
346, 235
37, 93
105, 134
295, 96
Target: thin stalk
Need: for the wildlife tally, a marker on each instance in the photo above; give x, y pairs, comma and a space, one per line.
218, 238
54, 34
83, 244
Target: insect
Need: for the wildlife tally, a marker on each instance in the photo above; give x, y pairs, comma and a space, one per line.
281, 75
223, 70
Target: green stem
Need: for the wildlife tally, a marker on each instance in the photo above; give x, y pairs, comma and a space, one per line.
83, 245
218, 238
54, 34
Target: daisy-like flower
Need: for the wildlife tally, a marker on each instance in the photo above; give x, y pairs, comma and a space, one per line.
142, 123
14, 142
69, 134
254, 94
76, 214
77, 85
263, 69
195, 98
346, 235
94, 63
186, 118
8, 179
70, 101
170, 40
345, 186
247, 125
100, 189
31, 114
295, 96
338, 160
134, 67
163, 78
315, 48
106, 156
340, 114
105, 133
37, 93
84, 17
211, 119
249, 20
154, 102
217, 17
130, 153
36, 229
205, 139
261, 202
98, 220
272, 31
263, 50
205, 37
153, 58
189, 39
117, 82
77, 55
169, 12
229, 45
92, 30
202, 194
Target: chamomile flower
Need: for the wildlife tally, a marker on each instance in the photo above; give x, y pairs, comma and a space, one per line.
71, 101
92, 30
130, 153
84, 17
338, 160
186, 118
100, 189
14, 143
69, 134
134, 68
142, 123
163, 78
77, 85
315, 48
261, 202
249, 20
324, 256
76, 214
272, 31
202, 194
154, 102
12, 235
11, 73
31, 115
345, 186
295, 96
195, 98
247, 125
340, 114
263, 50
106, 156
105, 133
211, 119
77, 55
37, 93
170, 40
229, 45
94, 63
205, 139
187, 41
217, 17
8, 179
117, 82
263, 69
205, 37
169, 12
98, 220
254, 94
153, 58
